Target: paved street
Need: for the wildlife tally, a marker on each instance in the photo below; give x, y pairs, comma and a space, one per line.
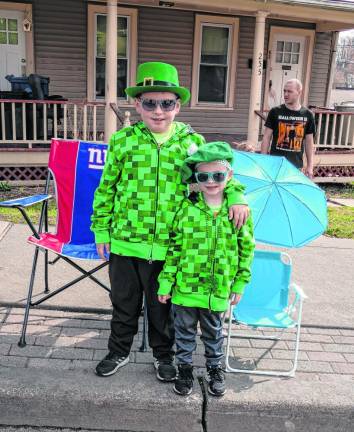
51, 384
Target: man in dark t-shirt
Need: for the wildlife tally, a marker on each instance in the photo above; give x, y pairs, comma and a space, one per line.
290, 129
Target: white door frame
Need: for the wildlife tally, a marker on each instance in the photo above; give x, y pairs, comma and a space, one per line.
307, 62
29, 46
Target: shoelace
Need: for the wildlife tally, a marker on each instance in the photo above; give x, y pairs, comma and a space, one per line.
216, 373
114, 358
185, 374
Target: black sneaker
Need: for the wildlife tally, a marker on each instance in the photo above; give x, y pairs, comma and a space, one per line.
184, 382
110, 364
165, 370
216, 381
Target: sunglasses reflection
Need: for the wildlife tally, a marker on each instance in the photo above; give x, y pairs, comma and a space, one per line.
164, 104
215, 176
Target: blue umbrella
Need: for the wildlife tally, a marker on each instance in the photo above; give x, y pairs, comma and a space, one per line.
288, 209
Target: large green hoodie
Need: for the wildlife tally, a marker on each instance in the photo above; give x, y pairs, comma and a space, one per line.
141, 190
208, 258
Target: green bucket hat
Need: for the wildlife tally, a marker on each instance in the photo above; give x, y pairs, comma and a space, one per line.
158, 77
209, 152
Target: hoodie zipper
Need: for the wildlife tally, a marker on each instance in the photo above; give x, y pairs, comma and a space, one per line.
156, 195
158, 146
213, 250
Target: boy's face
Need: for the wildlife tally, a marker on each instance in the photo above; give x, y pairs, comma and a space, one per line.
211, 187
159, 119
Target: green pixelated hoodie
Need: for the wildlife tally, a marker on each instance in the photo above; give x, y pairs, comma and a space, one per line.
208, 258
141, 189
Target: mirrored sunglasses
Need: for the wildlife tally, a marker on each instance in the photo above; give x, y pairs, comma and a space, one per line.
215, 176
165, 104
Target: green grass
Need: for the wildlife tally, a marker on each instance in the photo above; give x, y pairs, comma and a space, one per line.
341, 222
338, 190
14, 215
340, 219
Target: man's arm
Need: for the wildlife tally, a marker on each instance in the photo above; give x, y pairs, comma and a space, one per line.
267, 137
309, 150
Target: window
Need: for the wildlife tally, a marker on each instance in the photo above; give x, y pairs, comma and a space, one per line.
344, 71
126, 47
8, 31
214, 61
287, 52
122, 61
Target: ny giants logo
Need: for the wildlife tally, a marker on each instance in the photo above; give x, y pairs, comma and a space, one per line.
97, 158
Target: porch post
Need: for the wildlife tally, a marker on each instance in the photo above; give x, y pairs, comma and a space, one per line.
332, 69
256, 80
110, 121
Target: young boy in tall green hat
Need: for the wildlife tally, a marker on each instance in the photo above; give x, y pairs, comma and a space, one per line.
134, 206
207, 264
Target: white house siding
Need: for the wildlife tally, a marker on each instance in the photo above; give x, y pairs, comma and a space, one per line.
60, 45
320, 69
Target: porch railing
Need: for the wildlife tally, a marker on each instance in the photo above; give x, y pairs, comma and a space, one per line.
32, 123
335, 129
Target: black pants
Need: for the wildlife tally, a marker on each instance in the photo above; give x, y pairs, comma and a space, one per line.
131, 277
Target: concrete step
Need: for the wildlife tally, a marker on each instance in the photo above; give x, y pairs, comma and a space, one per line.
133, 400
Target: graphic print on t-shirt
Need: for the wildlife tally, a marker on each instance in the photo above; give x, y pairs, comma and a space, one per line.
291, 134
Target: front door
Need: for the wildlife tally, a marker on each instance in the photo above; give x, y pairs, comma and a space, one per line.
12, 46
287, 54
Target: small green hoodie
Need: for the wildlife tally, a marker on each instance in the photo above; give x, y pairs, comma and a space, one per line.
141, 190
208, 258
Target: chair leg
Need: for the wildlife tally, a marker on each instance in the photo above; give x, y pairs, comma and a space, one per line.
46, 282
143, 346
22, 341
289, 373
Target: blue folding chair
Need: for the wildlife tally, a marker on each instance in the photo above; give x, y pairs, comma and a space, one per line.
76, 168
271, 301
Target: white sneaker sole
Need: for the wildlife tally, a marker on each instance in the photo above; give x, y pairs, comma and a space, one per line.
182, 394
159, 377
215, 394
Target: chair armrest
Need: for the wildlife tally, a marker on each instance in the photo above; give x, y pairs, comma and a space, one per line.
26, 201
299, 297
299, 291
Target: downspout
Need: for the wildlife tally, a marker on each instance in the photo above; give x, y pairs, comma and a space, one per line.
110, 121
332, 67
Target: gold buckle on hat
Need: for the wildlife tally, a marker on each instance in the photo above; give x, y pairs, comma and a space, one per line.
148, 81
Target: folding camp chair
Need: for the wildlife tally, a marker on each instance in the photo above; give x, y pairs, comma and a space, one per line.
76, 168
269, 301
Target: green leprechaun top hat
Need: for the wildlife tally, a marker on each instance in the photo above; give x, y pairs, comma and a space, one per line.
209, 152
158, 77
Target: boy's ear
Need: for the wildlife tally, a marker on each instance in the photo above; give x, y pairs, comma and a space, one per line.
137, 105
230, 174
178, 105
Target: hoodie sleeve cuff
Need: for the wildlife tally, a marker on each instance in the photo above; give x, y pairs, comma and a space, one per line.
102, 237
165, 287
236, 198
238, 287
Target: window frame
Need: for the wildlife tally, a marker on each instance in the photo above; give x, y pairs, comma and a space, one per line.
132, 42
215, 21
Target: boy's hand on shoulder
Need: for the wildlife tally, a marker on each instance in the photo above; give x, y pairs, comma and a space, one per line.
235, 298
102, 248
239, 214
164, 298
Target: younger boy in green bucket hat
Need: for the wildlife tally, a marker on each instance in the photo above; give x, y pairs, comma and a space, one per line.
133, 210
207, 264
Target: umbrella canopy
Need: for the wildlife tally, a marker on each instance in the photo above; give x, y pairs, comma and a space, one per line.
288, 209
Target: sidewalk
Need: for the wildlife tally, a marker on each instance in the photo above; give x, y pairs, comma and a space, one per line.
51, 383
